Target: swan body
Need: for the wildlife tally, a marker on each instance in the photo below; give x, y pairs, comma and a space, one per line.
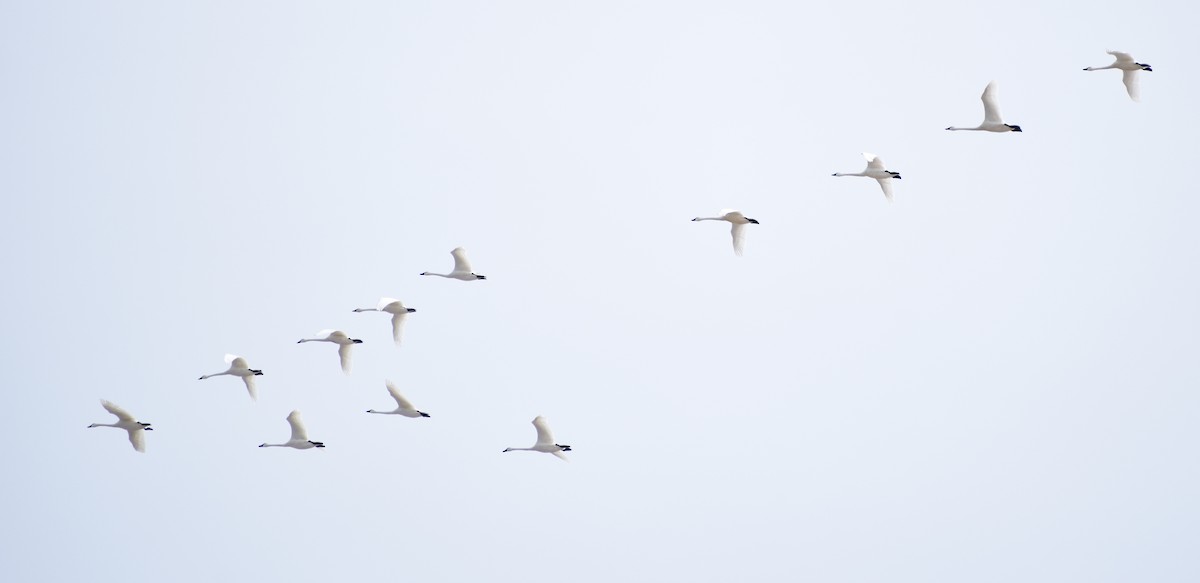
991, 114
403, 406
239, 368
1129, 72
340, 338
299, 439
545, 441
462, 268
738, 231
875, 169
129, 423
396, 309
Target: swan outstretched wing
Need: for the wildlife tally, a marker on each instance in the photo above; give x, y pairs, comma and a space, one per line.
398, 325
460, 260
249, 380
121, 414
344, 355
738, 231
384, 302
560, 455
138, 438
1130, 79
298, 432
991, 109
324, 334
886, 185
400, 400
236, 361
873, 162
544, 437
1121, 57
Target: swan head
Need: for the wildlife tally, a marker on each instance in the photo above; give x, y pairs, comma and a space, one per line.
1145, 67
356, 341
92, 425
696, 219
1013, 128
422, 273
506, 450
752, 221
263, 445
257, 373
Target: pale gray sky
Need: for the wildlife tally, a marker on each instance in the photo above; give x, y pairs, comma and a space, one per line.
991, 380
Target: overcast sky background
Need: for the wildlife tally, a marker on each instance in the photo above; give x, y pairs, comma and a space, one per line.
991, 380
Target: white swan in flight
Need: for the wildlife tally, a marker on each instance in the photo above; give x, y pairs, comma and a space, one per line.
403, 406
135, 428
396, 309
239, 368
1129, 72
340, 338
545, 441
991, 115
462, 267
876, 170
299, 438
738, 231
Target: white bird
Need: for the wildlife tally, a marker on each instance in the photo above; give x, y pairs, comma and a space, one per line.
135, 428
739, 226
1129, 72
545, 441
403, 406
876, 170
299, 438
462, 267
991, 114
396, 309
239, 368
340, 338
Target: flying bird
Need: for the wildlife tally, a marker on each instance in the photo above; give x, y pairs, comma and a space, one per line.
1129, 72
396, 309
876, 170
991, 115
545, 441
135, 428
403, 406
340, 338
299, 438
738, 231
462, 268
239, 368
